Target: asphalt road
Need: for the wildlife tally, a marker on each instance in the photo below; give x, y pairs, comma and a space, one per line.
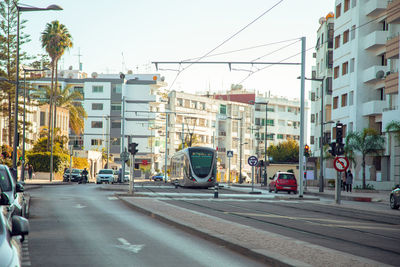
370, 234
79, 225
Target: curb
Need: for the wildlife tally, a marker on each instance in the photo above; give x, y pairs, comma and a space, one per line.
258, 255
350, 198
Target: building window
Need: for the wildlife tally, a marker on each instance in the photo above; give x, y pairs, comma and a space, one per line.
336, 72
257, 122
352, 63
42, 118
337, 41
116, 107
97, 106
97, 89
335, 102
346, 5
344, 100
338, 10
116, 124
222, 109
351, 98
270, 136
312, 118
345, 68
311, 140
383, 60
270, 122
180, 102
117, 88
280, 136
97, 124
96, 142
353, 32
346, 36
270, 109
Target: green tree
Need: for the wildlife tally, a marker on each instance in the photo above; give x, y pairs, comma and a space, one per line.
394, 126
56, 39
286, 151
8, 59
369, 141
190, 140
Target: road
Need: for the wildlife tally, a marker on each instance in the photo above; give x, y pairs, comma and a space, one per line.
79, 225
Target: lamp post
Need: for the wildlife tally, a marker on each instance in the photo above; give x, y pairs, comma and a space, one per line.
22, 9
24, 116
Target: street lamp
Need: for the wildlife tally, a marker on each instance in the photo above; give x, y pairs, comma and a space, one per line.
22, 9
265, 137
24, 116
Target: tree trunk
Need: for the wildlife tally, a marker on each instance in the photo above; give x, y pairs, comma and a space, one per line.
50, 105
363, 174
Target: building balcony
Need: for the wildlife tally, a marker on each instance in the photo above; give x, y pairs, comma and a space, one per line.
375, 40
374, 107
392, 83
375, 7
370, 74
392, 11
392, 47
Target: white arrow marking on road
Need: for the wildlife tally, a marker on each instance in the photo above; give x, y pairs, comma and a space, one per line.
128, 246
79, 206
112, 198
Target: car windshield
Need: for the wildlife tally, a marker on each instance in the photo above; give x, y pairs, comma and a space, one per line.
106, 172
286, 176
5, 182
76, 171
201, 161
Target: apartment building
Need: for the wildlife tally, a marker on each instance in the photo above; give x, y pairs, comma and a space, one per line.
365, 78
321, 95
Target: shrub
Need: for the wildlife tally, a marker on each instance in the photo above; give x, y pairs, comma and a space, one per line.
80, 163
41, 161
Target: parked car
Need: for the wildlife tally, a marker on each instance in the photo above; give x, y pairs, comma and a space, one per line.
75, 175
283, 181
10, 248
158, 177
395, 197
105, 176
14, 192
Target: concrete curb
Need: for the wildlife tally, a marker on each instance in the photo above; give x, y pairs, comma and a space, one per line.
350, 198
263, 256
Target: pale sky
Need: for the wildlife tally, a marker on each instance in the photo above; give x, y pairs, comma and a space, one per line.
174, 30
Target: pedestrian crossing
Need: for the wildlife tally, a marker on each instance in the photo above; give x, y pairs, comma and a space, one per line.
25, 259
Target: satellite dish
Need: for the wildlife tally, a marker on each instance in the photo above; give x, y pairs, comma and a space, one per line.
94, 75
380, 74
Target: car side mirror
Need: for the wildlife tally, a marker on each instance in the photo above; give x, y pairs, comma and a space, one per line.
19, 188
4, 200
270, 178
20, 226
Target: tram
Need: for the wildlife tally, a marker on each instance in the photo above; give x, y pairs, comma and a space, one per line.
194, 167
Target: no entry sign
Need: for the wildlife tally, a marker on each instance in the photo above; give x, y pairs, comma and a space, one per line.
341, 164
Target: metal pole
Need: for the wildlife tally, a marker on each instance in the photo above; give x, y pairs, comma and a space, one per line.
15, 150
338, 188
166, 148
305, 173
23, 133
70, 164
321, 161
301, 148
252, 178
240, 150
265, 145
229, 174
108, 141
123, 140
131, 178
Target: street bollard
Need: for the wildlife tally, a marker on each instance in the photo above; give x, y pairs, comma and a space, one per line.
216, 190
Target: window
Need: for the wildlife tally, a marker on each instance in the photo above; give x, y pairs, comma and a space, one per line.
353, 32
270, 137
270, 109
383, 60
42, 118
116, 107
270, 122
352, 62
345, 68
330, 35
344, 100
312, 118
312, 140
117, 88
78, 89
116, 124
97, 124
329, 59
346, 5
312, 96
96, 142
351, 98
222, 109
346, 36
280, 136
180, 102
336, 72
97, 89
335, 102
337, 41
338, 10
97, 106
257, 122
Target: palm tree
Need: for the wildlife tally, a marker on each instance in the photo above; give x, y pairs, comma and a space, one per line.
69, 99
369, 141
56, 40
394, 126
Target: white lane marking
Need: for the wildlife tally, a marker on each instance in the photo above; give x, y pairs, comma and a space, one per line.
79, 206
128, 246
112, 198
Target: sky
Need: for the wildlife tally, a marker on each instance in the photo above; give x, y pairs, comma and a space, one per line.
120, 35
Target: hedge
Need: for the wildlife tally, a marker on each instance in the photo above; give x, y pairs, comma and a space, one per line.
41, 161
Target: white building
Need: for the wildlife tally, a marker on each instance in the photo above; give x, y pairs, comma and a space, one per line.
365, 78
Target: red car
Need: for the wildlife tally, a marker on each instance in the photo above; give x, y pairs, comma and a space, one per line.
283, 181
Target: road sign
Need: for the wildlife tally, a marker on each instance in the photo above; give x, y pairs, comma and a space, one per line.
252, 160
341, 164
229, 153
145, 162
124, 155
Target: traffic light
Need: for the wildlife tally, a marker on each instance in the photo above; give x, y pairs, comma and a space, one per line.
306, 151
333, 149
132, 148
340, 149
339, 133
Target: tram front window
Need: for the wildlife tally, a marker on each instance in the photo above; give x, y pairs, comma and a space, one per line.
201, 162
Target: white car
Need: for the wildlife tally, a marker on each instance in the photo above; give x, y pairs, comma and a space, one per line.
105, 176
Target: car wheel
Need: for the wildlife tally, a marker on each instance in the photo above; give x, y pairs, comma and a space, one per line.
288, 192
276, 190
393, 203
269, 189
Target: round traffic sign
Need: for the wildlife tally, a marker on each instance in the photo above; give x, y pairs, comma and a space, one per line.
252, 160
341, 164
144, 162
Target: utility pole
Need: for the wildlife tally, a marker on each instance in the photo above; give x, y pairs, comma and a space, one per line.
301, 148
123, 140
166, 147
